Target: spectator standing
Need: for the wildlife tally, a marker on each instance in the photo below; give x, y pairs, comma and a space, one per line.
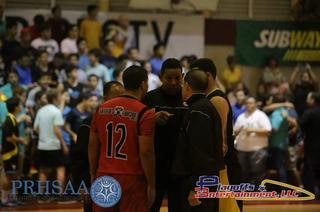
252, 129
157, 58
45, 42
90, 28
302, 82
279, 138
59, 25
13, 81
107, 58
35, 29
272, 75
74, 60
69, 44
51, 146
23, 69
41, 66
232, 74
133, 55
310, 123
239, 107
83, 54
98, 69
10, 150
10, 46
25, 44
154, 81
73, 86
92, 86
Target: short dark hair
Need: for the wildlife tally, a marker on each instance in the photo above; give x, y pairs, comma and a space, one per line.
107, 87
52, 94
205, 64
93, 75
12, 104
157, 46
85, 96
38, 19
80, 40
170, 63
71, 26
39, 94
73, 55
95, 52
230, 59
197, 80
133, 77
70, 68
91, 8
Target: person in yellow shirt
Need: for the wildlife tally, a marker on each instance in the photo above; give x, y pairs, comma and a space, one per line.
231, 75
90, 28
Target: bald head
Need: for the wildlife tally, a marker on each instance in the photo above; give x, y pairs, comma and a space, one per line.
197, 80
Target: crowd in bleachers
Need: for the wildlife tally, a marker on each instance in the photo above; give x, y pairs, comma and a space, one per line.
78, 59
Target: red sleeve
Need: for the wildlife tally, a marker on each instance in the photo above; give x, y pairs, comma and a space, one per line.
94, 125
147, 123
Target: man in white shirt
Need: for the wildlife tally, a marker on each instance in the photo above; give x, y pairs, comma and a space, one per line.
154, 81
45, 42
98, 69
51, 146
69, 44
252, 129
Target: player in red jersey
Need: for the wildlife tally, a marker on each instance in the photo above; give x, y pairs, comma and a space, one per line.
122, 133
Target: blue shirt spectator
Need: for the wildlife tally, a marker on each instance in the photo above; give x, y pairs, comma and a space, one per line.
239, 107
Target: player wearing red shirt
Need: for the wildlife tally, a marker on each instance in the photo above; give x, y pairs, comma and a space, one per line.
121, 144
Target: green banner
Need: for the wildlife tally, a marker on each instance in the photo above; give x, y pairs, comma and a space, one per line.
290, 42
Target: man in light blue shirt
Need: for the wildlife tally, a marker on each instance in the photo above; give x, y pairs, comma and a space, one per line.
98, 69
7, 89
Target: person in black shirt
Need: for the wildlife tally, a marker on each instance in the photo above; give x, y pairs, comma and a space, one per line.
73, 86
199, 149
168, 97
10, 150
220, 101
310, 125
10, 46
302, 82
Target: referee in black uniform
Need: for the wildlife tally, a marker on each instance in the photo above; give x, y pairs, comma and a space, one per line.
219, 99
199, 148
167, 100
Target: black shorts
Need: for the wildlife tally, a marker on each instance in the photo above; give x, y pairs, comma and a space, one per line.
11, 165
50, 158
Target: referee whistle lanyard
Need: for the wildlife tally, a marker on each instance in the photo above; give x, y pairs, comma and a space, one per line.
10, 154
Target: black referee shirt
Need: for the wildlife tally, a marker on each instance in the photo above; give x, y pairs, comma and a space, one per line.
199, 149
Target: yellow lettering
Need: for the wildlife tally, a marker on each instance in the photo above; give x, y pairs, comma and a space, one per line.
317, 45
297, 38
309, 42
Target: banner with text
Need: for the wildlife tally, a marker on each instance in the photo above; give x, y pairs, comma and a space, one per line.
183, 34
289, 42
